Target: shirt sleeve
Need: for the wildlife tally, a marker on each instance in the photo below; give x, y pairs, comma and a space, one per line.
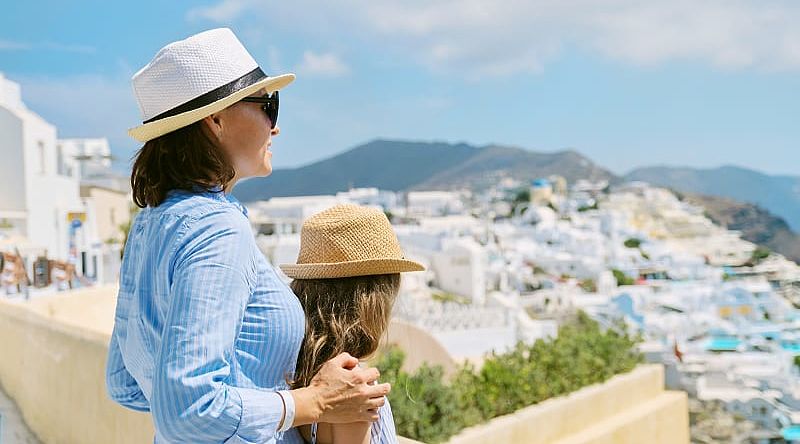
193, 399
383, 431
121, 386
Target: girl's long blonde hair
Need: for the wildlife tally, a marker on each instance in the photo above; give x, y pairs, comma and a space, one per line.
342, 315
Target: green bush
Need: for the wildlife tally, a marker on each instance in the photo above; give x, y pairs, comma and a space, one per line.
521, 197
759, 254
423, 406
588, 285
622, 278
633, 243
429, 409
443, 296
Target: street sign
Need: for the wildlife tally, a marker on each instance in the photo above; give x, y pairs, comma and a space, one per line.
76, 216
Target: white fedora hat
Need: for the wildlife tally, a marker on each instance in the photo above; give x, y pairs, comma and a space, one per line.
193, 78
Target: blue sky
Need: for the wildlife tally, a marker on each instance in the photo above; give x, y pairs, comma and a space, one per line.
627, 83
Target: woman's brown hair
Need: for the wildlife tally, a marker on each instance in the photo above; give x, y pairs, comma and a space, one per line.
342, 315
184, 159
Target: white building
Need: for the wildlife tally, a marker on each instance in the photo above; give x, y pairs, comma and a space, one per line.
285, 215
41, 202
461, 269
90, 157
40, 199
433, 203
371, 197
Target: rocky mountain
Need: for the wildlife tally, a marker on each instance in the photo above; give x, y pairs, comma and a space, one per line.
399, 166
755, 223
764, 208
779, 195
518, 163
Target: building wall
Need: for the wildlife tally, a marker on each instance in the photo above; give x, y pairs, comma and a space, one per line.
49, 196
53, 362
55, 373
632, 408
12, 175
461, 269
433, 203
108, 210
53, 367
420, 347
95, 155
31, 168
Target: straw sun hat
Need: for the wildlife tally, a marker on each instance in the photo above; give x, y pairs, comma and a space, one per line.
348, 240
191, 79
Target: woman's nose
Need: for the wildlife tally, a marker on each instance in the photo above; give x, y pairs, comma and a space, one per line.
275, 131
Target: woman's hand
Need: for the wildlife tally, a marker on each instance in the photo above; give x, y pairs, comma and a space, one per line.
341, 392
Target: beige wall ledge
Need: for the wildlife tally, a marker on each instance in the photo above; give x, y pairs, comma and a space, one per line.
54, 353
631, 408
55, 373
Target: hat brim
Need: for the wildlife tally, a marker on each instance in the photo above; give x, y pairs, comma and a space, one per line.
367, 267
149, 131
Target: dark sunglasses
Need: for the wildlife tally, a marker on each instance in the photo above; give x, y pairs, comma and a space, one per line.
269, 105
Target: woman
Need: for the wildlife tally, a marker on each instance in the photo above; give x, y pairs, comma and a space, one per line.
205, 332
347, 278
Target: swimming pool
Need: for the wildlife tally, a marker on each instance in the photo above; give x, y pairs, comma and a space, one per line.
722, 343
793, 347
791, 434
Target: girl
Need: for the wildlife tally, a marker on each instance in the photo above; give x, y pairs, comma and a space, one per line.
347, 278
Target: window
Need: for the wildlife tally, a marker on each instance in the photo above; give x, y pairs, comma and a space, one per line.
42, 158
60, 159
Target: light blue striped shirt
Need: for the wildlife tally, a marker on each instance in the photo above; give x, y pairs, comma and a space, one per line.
205, 331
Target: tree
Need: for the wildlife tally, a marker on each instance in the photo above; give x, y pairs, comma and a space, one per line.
521, 197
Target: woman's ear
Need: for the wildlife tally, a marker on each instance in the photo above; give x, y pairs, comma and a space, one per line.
214, 124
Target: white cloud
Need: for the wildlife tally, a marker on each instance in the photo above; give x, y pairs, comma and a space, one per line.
495, 38
8, 45
222, 12
274, 60
82, 49
327, 64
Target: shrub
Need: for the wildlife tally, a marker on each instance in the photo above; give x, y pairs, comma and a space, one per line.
633, 243
622, 278
429, 409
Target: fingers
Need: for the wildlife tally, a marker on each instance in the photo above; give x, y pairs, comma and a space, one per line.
378, 391
368, 376
374, 403
371, 415
344, 360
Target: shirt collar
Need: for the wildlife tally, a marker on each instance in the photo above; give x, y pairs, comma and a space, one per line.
216, 192
230, 198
